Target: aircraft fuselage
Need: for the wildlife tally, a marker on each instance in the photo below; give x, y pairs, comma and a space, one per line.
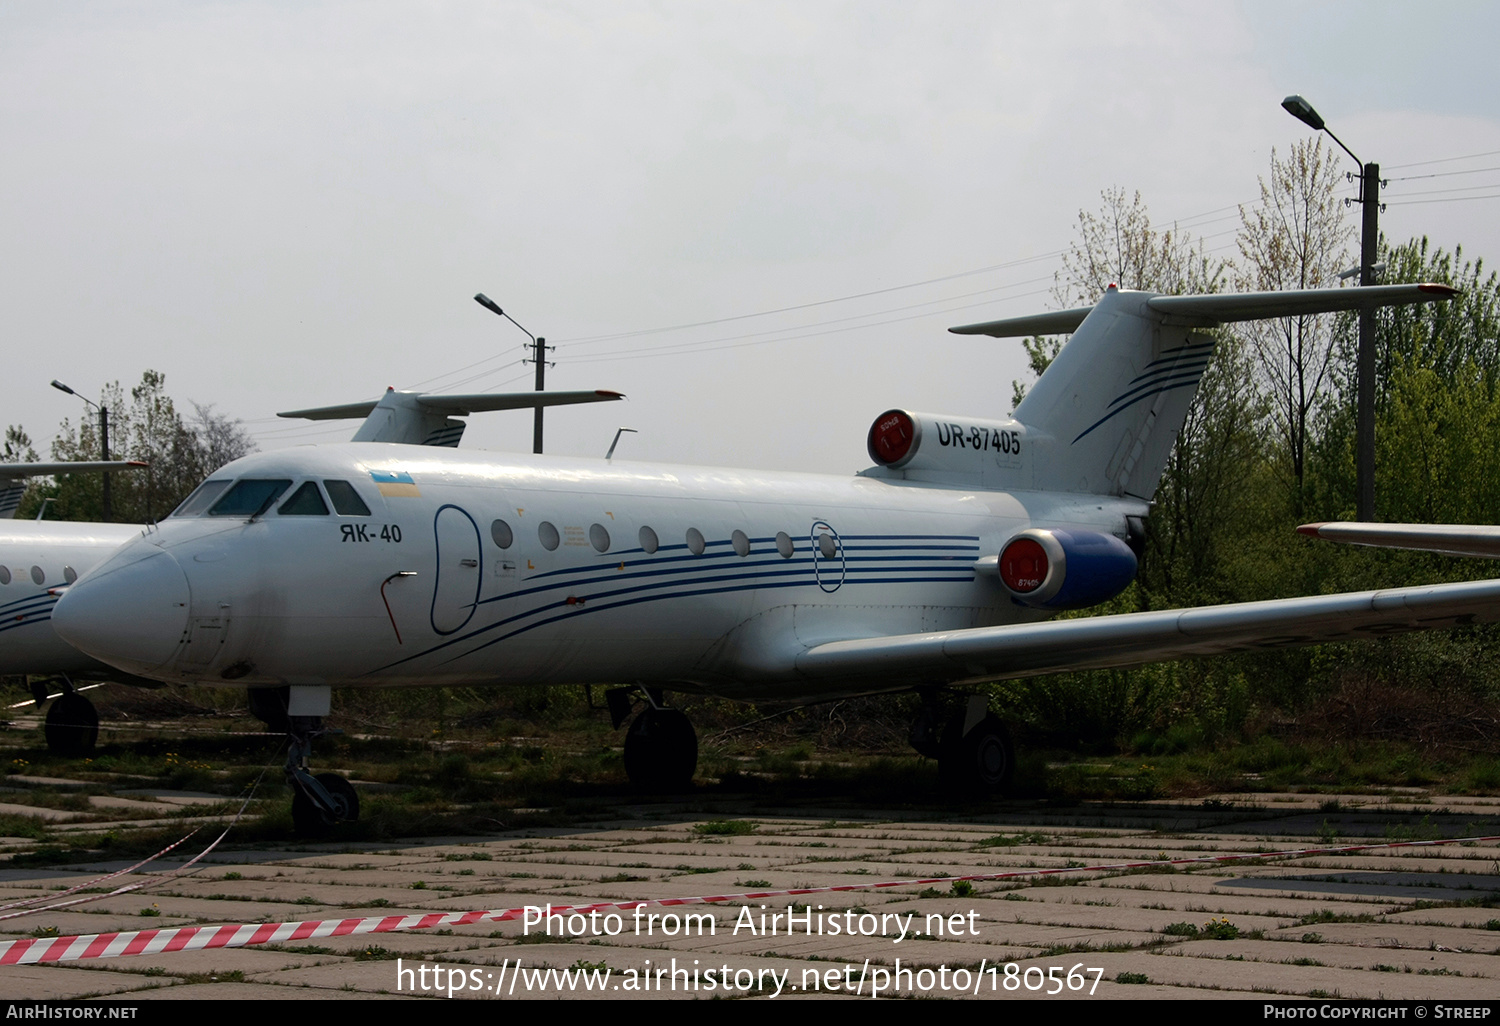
479, 568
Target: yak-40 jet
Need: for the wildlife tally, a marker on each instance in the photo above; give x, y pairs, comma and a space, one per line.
368, 565
41, 558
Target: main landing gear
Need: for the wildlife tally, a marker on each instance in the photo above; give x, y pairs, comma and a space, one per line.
72, 725
319, 802
973, 749
661, 749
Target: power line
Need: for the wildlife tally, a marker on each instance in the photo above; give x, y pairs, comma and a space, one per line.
1442, 160
1450, 199
591, 339
1444, 174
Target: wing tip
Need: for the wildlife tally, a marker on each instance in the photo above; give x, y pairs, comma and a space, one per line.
1311, 530
1438, 289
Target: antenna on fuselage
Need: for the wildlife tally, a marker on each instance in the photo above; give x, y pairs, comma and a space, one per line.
616, 442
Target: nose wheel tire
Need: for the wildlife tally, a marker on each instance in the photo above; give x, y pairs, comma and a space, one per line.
309, 820
979, 762
72, 727
661, 750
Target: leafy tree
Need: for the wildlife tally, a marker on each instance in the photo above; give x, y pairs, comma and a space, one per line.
180, 453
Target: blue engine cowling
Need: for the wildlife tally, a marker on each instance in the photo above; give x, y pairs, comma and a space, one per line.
1065, 568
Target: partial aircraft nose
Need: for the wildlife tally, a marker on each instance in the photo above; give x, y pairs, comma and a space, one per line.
131, 615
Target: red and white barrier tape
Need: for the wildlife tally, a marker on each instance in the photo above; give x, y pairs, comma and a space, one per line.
153, 881
96, 881
196, 938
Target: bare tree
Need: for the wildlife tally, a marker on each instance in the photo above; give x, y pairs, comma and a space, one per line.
1296, 238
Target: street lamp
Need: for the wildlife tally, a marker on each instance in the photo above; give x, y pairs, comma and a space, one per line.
539, 349
1369, 195
103, 439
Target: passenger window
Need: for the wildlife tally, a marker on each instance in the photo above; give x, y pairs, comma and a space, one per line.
4, 575
346, 501
741, 542
69, 574
248, 497
548, 536
695, 541
648, 540
599, 538
784, 545
306, 501
501, 532
37, 576
204, 494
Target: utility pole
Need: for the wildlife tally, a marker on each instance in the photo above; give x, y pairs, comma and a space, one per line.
1369, 195
103, 444
539, 349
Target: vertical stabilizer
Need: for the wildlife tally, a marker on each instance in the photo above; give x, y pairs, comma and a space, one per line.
1112, 402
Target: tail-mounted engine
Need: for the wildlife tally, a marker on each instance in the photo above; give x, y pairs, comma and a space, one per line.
986, 451
1065, 569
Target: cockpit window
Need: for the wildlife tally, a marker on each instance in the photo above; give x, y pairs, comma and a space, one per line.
305, 501
249, 497
204, 494
346, 500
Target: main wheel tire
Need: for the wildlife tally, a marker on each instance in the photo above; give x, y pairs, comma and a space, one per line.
308, 820
983, 761
72, 727
661, 750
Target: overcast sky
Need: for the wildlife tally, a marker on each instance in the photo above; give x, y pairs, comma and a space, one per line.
281, 205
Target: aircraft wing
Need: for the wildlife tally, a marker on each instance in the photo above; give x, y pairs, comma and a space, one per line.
1449, 539
1132, 639
11, 471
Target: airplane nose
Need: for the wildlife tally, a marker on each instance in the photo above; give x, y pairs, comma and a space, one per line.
131, 616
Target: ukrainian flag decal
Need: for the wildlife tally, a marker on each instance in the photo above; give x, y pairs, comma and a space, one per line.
394, 482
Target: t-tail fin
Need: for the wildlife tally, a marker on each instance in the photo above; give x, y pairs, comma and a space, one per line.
420, 418
1110, 406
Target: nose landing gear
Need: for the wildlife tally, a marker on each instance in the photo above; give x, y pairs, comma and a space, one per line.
321, 802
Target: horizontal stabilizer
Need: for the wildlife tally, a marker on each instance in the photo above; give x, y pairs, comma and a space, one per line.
1449, 539
1061, 322
12, 471
1133, 639
459, 405
1208, 310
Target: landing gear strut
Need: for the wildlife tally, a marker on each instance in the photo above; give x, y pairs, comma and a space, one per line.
318, 802
661, 748
72, 727
974, 751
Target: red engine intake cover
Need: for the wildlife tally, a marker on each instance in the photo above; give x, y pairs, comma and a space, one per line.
891, 437
1023, 565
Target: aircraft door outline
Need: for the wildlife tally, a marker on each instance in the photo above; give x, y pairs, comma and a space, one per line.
830, 564
456, 575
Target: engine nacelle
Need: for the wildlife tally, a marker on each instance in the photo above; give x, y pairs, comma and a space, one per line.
902, 440
1065, 568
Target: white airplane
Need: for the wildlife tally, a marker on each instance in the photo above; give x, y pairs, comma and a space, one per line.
40, 558
35, 557
383, 565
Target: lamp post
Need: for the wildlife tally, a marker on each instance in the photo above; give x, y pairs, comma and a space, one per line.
103, 440
1369, 195
539, 349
